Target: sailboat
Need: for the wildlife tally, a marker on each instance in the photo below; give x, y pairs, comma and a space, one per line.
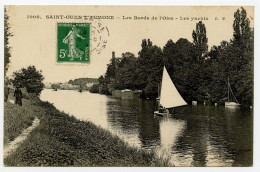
230, 103
169, 96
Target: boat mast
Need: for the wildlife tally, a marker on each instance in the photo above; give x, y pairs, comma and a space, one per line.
158, 100
159, 92
232, 94
228, 88
160, 88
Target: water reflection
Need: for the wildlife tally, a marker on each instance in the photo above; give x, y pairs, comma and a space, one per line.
193, 136
170, 130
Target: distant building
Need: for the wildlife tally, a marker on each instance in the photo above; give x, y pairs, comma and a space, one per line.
90, 84
67, 86
114, 56
47, 85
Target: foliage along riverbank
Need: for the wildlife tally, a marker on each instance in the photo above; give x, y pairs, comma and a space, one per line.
198, 73
62, 140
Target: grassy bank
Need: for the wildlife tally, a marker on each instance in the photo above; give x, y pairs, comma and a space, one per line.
16, 119
62, 140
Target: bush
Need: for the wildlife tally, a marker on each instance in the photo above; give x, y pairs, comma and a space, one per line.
94, 88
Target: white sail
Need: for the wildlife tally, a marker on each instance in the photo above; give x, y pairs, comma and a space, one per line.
170, 97
229, 103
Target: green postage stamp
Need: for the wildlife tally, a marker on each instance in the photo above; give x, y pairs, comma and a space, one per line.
73, 42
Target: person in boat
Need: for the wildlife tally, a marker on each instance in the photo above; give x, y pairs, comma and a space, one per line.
18, 96
163, 109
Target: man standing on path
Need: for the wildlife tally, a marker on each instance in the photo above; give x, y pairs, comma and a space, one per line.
18, 96
6, 88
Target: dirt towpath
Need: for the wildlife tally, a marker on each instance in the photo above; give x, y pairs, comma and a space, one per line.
13, 145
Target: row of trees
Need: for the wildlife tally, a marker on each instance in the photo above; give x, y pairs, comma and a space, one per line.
7, 48
198, 74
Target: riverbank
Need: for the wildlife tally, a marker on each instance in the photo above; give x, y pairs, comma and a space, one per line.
62, 140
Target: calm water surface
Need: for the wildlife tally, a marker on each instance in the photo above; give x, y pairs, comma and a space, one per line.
193, 136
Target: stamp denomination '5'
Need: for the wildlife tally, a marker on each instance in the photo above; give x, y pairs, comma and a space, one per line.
73, 42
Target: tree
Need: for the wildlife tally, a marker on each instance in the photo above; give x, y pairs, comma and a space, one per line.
242, 54
71, 82
236, 26
149, 68
108, 81
7, 48
200, 39
30, 78
126, 72
55, 86
111, 69
101, 79
94, 88
181, 63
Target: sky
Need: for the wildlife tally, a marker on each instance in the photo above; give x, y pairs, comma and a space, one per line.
35, 40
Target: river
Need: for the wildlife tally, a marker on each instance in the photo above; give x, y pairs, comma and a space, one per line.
192, 136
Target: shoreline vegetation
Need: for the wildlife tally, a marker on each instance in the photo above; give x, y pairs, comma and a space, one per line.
199, 73
62, 140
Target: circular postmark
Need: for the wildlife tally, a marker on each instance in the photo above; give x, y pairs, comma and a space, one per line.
99, 36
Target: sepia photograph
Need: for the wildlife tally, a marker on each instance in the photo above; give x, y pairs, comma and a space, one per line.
128, 86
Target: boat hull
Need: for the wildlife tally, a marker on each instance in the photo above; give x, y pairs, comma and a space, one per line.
231, 104
157, 113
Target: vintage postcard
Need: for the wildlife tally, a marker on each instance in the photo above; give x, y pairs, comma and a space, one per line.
135, 86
